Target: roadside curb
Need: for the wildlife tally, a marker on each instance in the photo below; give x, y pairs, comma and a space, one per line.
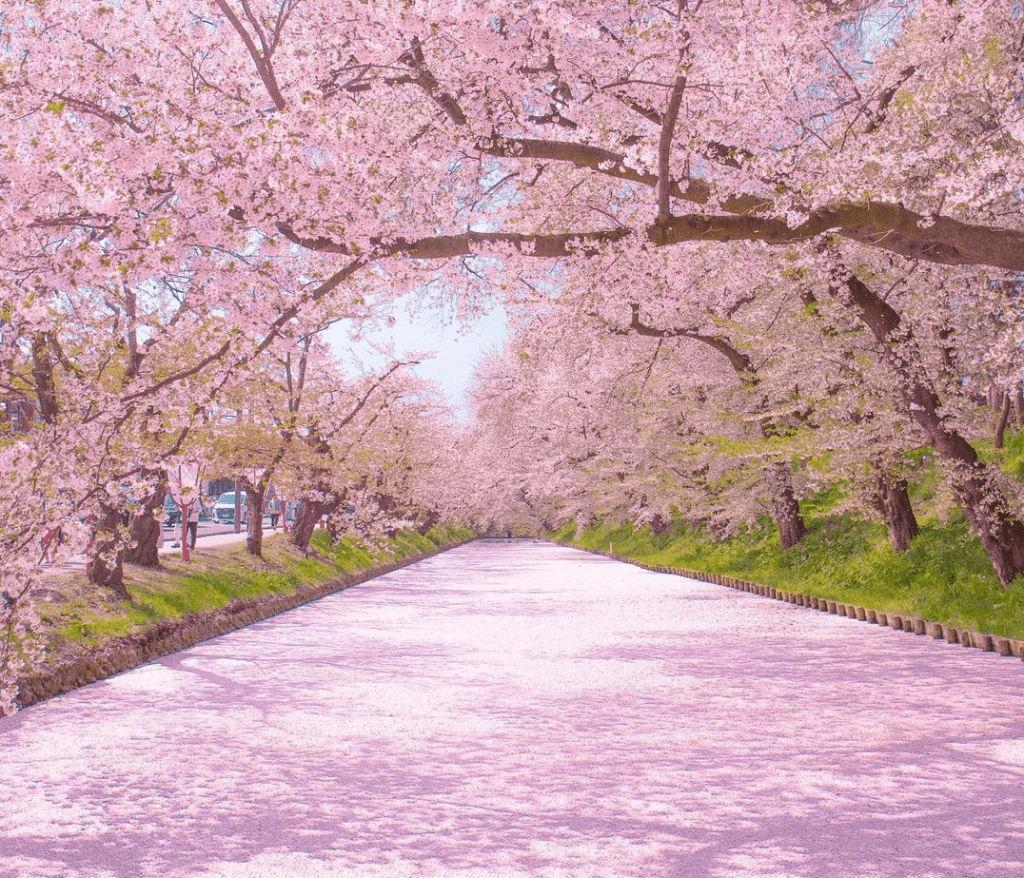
1004, 646
165, 638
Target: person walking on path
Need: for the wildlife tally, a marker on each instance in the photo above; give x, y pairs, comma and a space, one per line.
50, 543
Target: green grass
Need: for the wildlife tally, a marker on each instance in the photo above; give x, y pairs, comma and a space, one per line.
945, 576
217, 576
1011, 457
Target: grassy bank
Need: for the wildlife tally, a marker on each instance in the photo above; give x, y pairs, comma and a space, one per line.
944, 577
75, 615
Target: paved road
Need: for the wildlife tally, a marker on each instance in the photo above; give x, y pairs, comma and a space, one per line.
529, 710
210, 533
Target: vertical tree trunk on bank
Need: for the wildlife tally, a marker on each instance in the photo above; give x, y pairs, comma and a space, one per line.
892, 500
1002, 420
146, 530
786, 511
975, 487
973, 482
785, 506
255, 495
239, 484
426, 522
105, 567
310, 512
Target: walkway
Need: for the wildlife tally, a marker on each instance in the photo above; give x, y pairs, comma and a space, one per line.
529, 710
171, 545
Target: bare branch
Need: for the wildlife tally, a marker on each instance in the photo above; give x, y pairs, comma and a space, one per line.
415, 59
739, 361
262, 62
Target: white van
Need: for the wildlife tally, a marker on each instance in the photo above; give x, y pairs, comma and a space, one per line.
224, 508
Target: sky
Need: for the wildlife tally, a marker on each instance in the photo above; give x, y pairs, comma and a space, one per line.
458, 344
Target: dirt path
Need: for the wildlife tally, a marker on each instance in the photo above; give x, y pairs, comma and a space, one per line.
529, 710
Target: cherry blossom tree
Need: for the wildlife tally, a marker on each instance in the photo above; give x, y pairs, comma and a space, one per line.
99, 367
400, 473
825, 376
362, 132
935, 398
356, 447
258, 418
305, 158
573, 426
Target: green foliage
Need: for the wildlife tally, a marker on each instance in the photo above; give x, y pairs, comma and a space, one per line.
219, 575
348, 554
945, 576
1011, 458
825, 502
566, 533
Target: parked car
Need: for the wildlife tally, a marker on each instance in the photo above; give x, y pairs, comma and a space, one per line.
224, 508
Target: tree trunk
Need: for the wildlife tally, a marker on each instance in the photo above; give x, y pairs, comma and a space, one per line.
105, 567
146, 530
785, 506
659, 524
426, 522
1002, 420
974, 485
255, 495
972, 481
893, 502
995, 397
306, 519
239, 484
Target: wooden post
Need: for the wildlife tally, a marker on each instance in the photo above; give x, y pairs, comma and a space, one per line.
186, 510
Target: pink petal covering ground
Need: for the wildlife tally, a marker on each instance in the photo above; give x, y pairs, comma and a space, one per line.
529, 710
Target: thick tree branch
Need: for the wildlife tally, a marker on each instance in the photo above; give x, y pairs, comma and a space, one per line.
180, 375
739, 361
93, 109
668, 127
886, 98
262, 61
944, 241
610, 164
414, 58
890, 227
42, 375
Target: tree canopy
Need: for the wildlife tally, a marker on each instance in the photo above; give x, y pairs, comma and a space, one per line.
743, 240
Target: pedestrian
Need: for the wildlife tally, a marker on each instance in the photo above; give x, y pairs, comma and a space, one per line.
193, 529
275, 512
50, 542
